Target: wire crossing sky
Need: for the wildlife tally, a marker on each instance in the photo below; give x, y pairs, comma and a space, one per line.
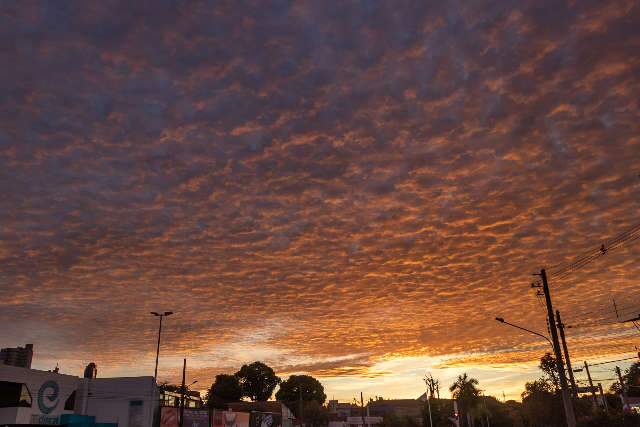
353, 190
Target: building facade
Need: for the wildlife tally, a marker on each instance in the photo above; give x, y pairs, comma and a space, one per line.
30, 396
17, 356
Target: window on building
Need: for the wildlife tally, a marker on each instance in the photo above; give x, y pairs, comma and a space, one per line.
25, 397
70, 403
13, 395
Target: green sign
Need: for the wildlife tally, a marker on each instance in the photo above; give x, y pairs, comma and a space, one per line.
43, 419
48, 397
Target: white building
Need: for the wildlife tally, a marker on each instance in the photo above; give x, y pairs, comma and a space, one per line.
29, 396
126, 401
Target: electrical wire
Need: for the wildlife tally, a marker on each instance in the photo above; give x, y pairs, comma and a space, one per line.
621, 309
558, 273
630, 235
591, 324
613, 361
627, 307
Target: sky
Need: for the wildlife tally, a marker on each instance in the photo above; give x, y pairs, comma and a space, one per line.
352, 190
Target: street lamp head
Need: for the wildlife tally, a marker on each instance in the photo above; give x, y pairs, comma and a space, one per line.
500, 319
168, 313
155, 314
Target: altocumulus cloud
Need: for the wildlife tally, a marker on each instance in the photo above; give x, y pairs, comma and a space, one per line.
331, 183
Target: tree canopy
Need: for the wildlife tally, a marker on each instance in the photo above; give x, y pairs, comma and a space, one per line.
433, 386
257, 381
465, 391
549, 369
300, 386
315, 415
226, 388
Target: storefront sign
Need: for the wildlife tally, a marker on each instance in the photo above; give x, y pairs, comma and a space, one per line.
43, 419
48, 396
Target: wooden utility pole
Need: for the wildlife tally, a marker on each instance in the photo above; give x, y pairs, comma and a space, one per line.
574, 389
623, 390
566, 397
155, 373
362, 407
593, 392
604, 399
300, 409
183, 391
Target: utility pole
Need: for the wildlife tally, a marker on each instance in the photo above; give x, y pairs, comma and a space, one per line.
593, 392
160, 315
574, 389
429, 406
566, 397
300, 403
183, 390
604, 399
362, 407
456, 413
155, 372
623, 390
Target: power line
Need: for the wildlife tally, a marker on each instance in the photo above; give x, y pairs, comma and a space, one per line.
573, 325
630, 235
627, 307
613, 361
579, 317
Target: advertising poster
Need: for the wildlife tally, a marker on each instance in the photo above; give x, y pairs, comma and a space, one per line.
230, 419
265, 419
196, 418
168, 417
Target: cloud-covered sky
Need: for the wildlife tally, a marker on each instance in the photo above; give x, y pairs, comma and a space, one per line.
349, 189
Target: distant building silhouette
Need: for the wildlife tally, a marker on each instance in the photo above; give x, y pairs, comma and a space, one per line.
91, 371
17, 356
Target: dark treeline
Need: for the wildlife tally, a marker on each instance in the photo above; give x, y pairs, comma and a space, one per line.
541, 404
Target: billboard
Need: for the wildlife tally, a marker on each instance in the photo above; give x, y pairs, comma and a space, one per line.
265, 419
196, 418
230, 419
168, 417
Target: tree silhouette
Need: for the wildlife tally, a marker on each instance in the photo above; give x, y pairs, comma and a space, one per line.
300, 386
433, 386
226, 388
549, 368
465, 391
257, 381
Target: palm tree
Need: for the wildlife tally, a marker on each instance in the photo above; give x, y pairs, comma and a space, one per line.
465, 391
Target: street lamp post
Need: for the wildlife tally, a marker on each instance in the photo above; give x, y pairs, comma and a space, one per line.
160, 315
501, 320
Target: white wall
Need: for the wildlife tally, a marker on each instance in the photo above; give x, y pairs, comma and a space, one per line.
110, 400
35, 379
